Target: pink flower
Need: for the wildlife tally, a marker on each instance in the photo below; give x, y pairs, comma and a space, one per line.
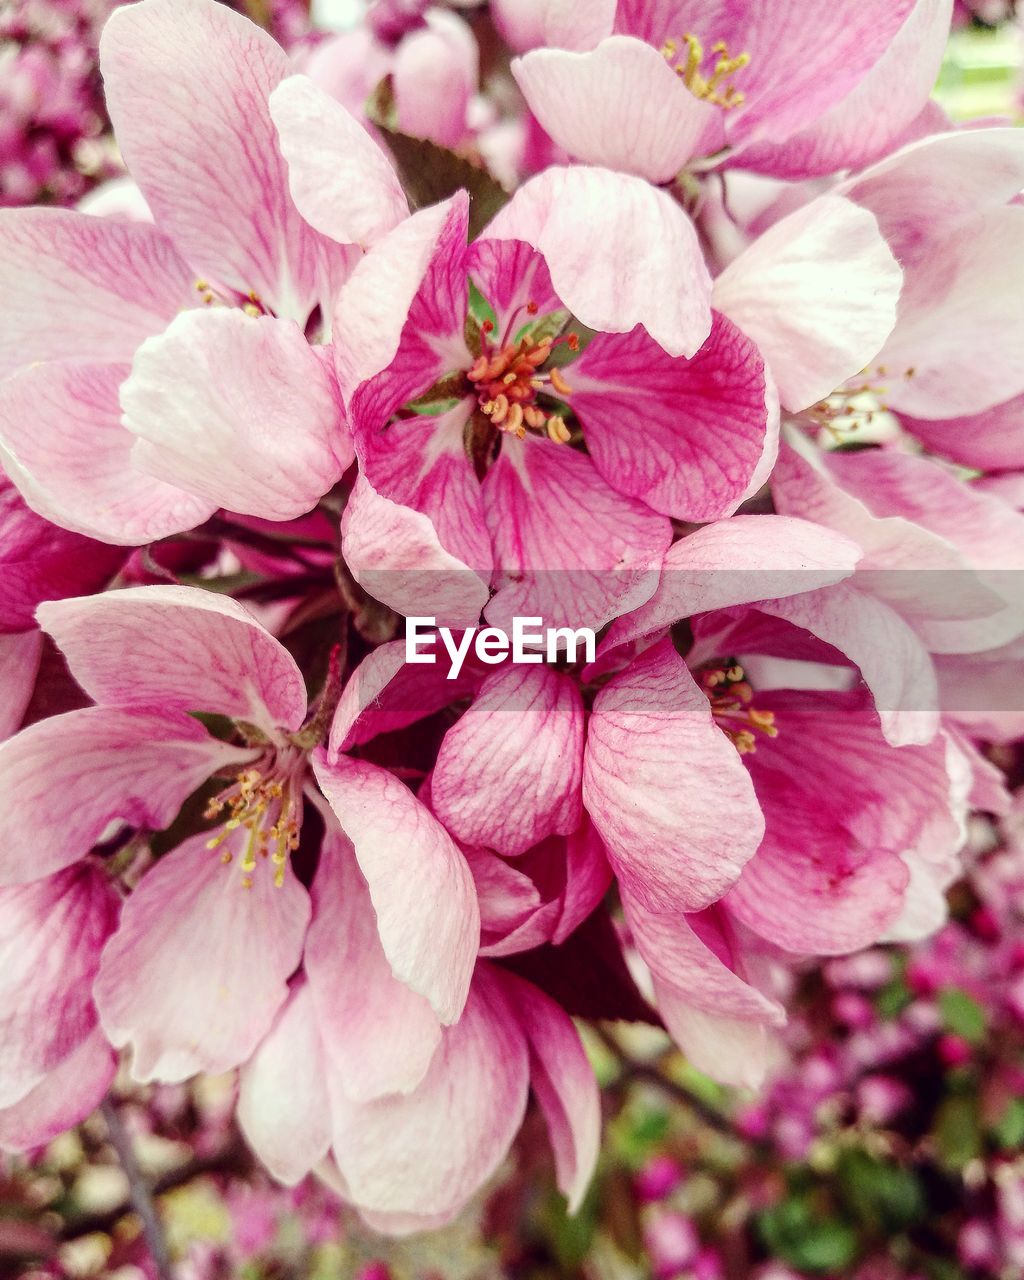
797, 88
103, 315
150, 657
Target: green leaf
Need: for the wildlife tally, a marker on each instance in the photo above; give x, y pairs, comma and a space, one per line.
792, 1231
430, 173
1009, 1130
887, 1197
958, 1131
962, 1015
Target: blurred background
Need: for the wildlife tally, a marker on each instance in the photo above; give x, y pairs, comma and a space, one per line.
890, 1142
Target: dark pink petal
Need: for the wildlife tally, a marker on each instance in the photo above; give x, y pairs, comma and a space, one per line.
187, 86
817, 292
666, 788
396, 555
587, 224
563, 1082
64, 780
378, 1035
63, 443
509, 900
283, 1108
185, 1008
82, 288
179, 648
692, 438
521, 737
587, 879
340, 179
426, 1153
238, 410
19, 662
511, 274
51, 934
63, 1099
571, 547
420, 885
989, 440
621, 105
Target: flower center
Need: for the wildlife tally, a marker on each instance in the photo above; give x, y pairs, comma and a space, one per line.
265, 800
714, 87
731, 698
508, 376
250, 303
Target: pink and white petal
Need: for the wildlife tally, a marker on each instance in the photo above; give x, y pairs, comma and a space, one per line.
737, 561
341, 181
187, 86
238, 410
511, 275
63, 1099
425, 1154
378, 1035
817, 292
421, 888
677, 838
386, 693
63, 443
991, 440
587, 223
893, 662
911, 195
620, 105
955, 349
804, 57
571, 549
424, 254
564, 1084
522, 735
721, 1022
509, 899
395, 554
435, 73
20, 653
104, 763
975, 690
81, 288
283, 1107
567, 26
864, 125
185, 1009
179, 648
707, 423
51, 934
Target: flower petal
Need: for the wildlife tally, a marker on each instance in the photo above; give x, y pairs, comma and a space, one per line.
82, 288
103, 763
187, 86
184, 1009
62, 441
587, 224
283, 1107
395, 554
340, 179
180, 648
19, 663
239, 410
564, 1084
707, 422
619, 105
420, 885
426, 1153
678, 834
378, 1035
817, 292
522, 736
63, 1099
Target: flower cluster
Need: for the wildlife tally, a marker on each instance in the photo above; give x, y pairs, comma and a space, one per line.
727, 371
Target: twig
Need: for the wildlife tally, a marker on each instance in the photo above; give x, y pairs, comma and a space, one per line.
141, 1194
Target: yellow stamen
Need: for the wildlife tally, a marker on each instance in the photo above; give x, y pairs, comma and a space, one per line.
713, 88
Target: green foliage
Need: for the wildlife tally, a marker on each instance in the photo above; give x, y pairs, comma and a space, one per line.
962, 1015
798, 1233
